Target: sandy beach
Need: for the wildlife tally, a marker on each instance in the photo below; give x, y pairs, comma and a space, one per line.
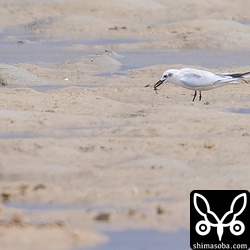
85, 147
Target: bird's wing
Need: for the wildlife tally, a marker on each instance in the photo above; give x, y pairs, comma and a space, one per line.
204, 80
198, 79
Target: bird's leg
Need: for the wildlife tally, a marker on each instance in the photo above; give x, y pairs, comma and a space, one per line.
200, 96
195, 93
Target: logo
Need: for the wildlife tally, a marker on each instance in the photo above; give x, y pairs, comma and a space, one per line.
219, 219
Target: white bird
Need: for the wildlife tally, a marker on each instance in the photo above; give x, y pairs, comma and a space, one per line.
198, 80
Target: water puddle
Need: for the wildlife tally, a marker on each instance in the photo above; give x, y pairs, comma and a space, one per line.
109, 41
63, 132
159, 199
122, 240
108, 74
45, 88
34, 51
144, 239
45, 207
245, 22
14, 52
245, 111
27, 49
16, 136
204, 58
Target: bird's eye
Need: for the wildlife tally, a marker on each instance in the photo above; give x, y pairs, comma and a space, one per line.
168, 75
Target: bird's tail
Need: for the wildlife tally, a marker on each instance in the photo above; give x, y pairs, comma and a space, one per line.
239, 75
243, 75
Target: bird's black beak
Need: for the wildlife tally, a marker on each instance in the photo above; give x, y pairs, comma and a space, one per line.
159, 83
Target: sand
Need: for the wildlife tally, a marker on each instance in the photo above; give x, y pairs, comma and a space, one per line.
97, 150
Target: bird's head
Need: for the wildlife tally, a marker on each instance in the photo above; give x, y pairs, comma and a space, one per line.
166, 75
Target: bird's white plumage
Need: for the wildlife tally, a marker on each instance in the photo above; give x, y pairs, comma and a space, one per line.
199, 80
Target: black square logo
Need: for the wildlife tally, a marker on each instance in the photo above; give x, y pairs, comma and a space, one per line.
220, 219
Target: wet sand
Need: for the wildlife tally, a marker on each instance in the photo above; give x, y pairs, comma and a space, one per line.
85, 147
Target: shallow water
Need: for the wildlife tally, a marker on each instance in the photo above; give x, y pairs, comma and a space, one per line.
204, 58
45, 207
134, 239
159, 199
13, 52
44, 88
56, 52
61, 207
144, 239
16, 136
237, 110
30, 50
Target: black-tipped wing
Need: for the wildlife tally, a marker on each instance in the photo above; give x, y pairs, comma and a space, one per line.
235, 75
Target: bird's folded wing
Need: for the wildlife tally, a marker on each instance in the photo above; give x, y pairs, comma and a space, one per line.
193, 80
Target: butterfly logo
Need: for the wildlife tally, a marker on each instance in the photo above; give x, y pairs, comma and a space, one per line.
203, 227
